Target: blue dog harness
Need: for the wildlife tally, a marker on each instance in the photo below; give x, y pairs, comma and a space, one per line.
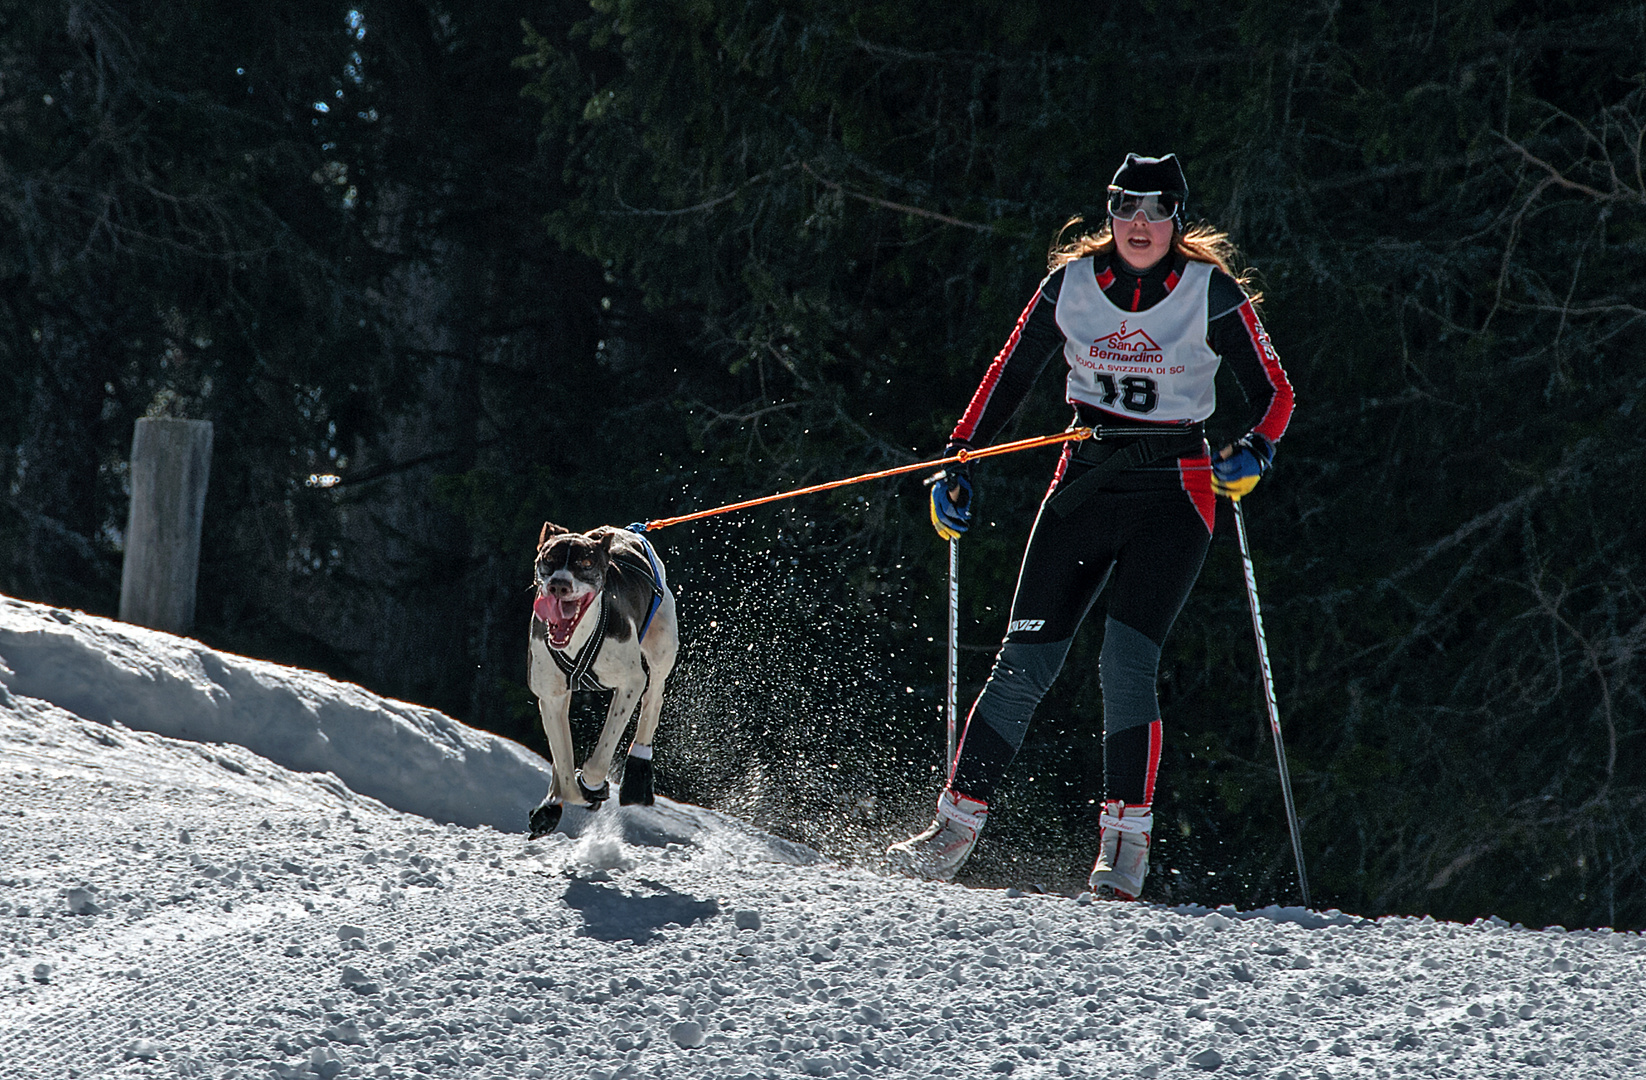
656, 575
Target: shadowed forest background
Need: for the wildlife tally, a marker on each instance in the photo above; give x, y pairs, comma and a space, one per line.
488, 265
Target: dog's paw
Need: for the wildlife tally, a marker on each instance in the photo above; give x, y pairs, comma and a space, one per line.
637, 783
544, 819
594, 796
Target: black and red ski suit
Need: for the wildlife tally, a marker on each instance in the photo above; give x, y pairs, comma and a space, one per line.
1140, 531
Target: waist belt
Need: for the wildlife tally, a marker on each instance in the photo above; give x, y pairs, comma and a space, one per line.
1113, 450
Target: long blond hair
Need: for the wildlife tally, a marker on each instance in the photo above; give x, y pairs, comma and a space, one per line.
1200, 242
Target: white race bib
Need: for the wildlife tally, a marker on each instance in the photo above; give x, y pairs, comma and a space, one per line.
1150, 365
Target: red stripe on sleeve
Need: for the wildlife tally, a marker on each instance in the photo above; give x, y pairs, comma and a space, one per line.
964, 430
1279, 413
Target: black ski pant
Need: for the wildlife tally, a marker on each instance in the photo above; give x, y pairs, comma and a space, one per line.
1145, 549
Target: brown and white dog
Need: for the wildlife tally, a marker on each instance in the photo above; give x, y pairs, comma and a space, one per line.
602, 618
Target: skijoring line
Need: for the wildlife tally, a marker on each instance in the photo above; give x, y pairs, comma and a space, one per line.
1073, 434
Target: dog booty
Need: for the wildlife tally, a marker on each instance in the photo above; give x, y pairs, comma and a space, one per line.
544, 819
1123, 861
636, 789
938, 853
593, 796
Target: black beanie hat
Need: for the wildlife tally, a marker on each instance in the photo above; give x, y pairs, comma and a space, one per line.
1144, 174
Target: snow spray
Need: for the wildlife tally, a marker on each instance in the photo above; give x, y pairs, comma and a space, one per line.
791, 706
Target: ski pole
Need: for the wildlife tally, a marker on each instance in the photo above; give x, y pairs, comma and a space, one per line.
954, 646
1269, 700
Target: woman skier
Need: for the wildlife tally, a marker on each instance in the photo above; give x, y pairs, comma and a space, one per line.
1143, 311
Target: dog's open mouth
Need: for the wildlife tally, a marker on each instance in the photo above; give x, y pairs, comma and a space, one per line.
561, 616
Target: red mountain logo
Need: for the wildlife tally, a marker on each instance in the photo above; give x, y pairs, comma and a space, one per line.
1134, 342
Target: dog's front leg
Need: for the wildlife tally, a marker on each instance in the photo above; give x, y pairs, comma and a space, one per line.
659, 649
555, 714
599, 763
554, 699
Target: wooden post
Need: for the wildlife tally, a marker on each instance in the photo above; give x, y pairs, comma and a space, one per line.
170, 465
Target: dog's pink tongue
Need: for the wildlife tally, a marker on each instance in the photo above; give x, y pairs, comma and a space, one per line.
560, 616
547, 608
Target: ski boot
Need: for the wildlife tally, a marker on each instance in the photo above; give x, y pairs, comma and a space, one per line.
939, 852
1123, 859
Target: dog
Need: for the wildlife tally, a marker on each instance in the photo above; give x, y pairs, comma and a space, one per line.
603, 618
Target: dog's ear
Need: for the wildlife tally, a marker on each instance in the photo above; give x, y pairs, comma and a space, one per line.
549, 529
606, 542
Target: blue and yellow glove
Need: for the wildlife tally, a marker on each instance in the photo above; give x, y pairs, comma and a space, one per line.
951, 500
1237, 474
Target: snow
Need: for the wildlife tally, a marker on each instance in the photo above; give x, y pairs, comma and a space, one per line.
212, 866
413, 758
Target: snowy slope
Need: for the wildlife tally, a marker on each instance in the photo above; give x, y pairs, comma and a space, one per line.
218, 896
413, 758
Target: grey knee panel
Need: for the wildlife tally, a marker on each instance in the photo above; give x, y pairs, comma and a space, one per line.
1021, 676
1127, 668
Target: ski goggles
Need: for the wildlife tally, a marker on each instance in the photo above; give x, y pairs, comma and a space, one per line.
1156, 205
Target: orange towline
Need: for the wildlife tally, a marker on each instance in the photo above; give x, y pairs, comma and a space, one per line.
1071, 435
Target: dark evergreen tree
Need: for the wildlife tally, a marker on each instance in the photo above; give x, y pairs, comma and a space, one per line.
165, 251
